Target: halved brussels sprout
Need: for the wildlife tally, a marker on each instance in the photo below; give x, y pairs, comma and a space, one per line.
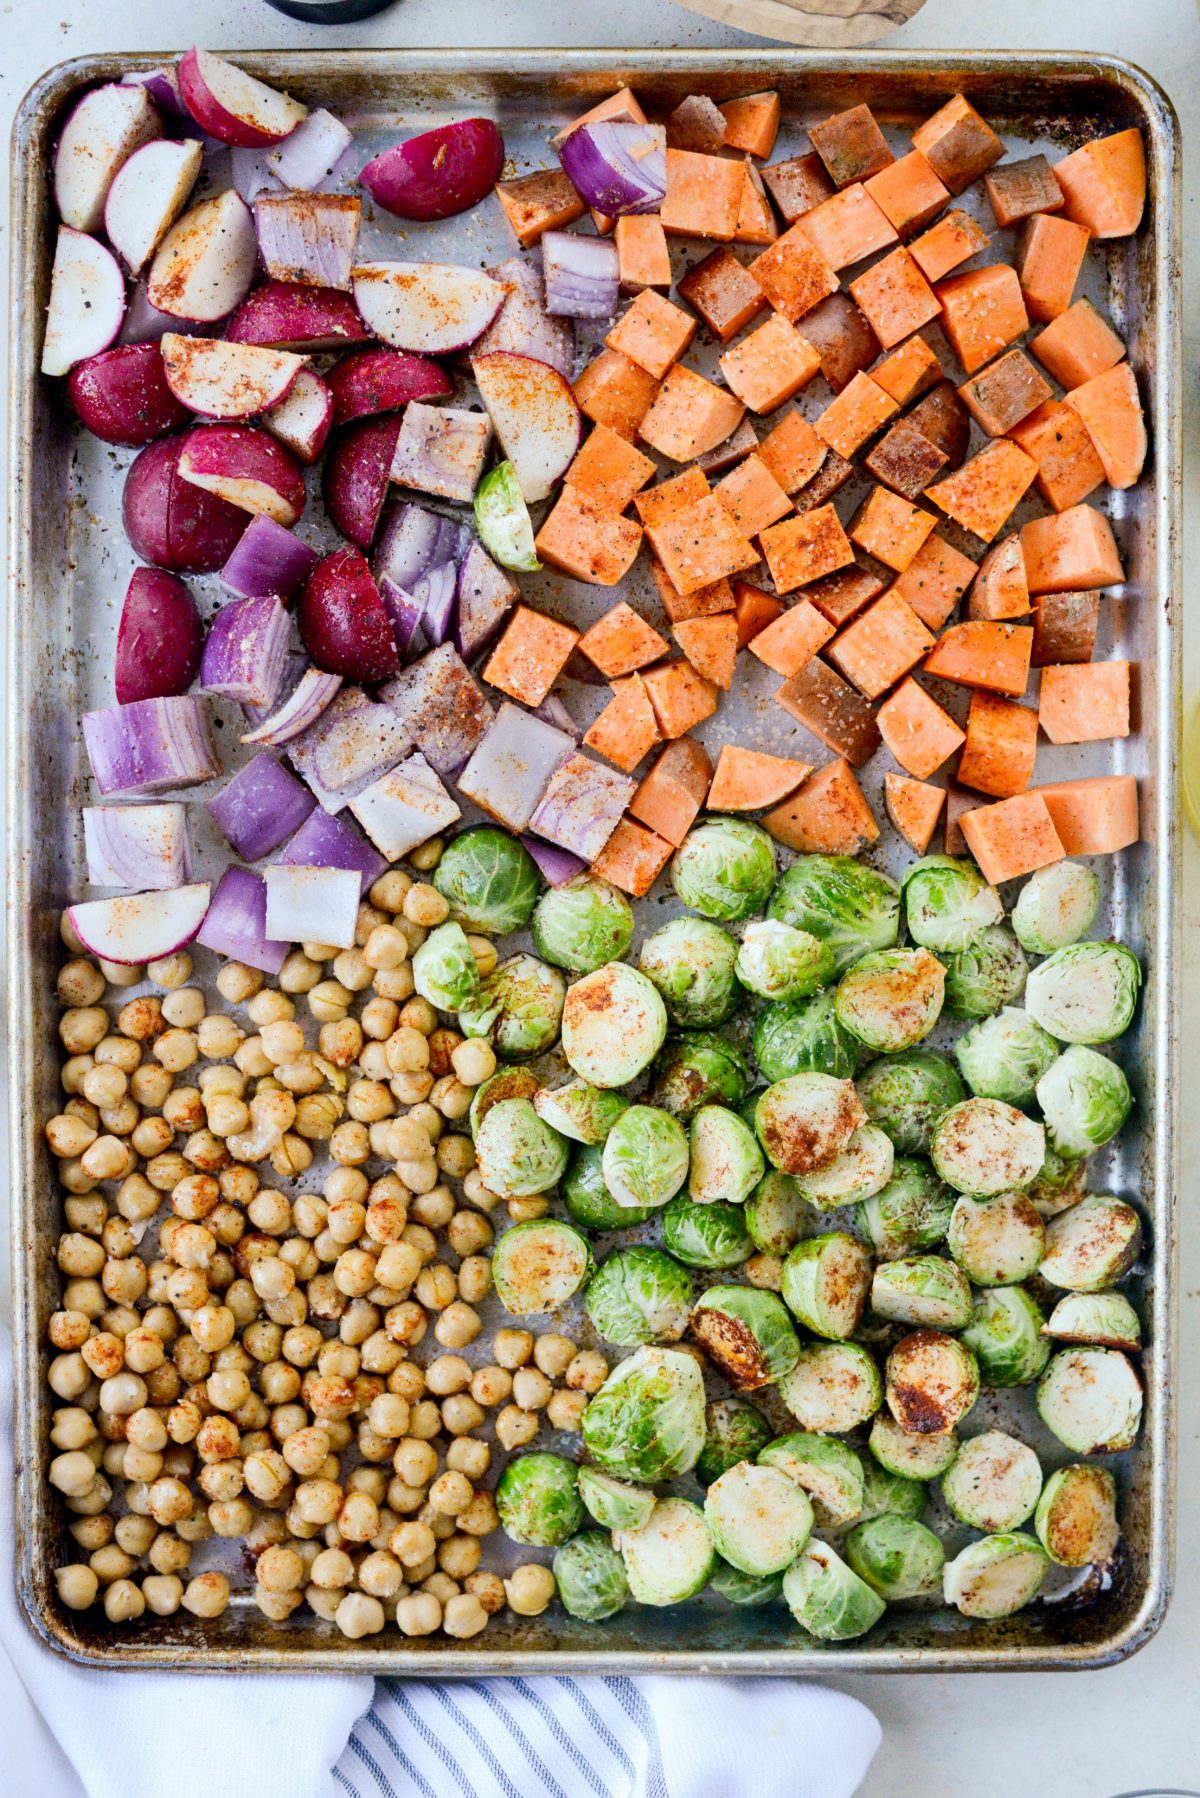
827, 1598
996, 1576
1060, 1184
907, 1453
776, 1215
646, 1422
1099, 1319
490, 880
777, 961
897, 1556
852, 908
699, 1068
855, 1173
1005, 1336
502, 519
925, 1291
581, 1112
707, 1236
746, 1333
1056, 906
932, 1381
1091, 1398
803, 1036
1076, 1517
828, 1470
691, 962
505, 1083
1084, 1099
582, 924
537, 1497
984, 1147
726, 1161
892, 998
947, 903
638, 1295
906, 1094
1093, 1245
519, 1008
588, 1199
912, 1211
670, 1558
892, 1494
538, 1266
645, 1157
518, 1154
614, 1504
997, 1242
758, 1518
1085, 993
805, 1121
590, 1576
1004, 1057
826, 1280
833, 1387
736, 1431
994, 1482
741, 1588
613, 1025
988, 973
725, 868
445, 970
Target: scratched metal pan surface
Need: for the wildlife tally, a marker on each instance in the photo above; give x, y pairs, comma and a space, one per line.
70, 563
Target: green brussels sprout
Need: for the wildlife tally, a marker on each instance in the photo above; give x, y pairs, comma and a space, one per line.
646, 1422
826, 1280
445, 970
828, 1470
519, 1008
997, 1242
669, 1559
993, 1483
590, 1576
1059, 1184
639, 1295
490, 880
746, 1334
502, 519
735, 1430
537, 1497
856, 1172
699, 1068
852, 908
803, 1036
758, 1518
1076, 1516
995, 1576
1056, 906
1004, 1057
588, 1199
539, 1265
911, 1212
1098, 1319
777, 961
827, 1598
985, 1147
1084, 1100
1005, 1336
581, 1112
582, 924
741, 1588
691, 962
803, 1122
776, 1215
886, 1493
613, 1025
726, 1161
907, 1093
724, 868
986, 975
926, 1292
833, 1387
909, 1455
947, 903
1091, 1399
518, 1155
707, 1236
1085, 993
505, 1083
645, 1157
896, 1556
891, 998
931, 1382
613, 1503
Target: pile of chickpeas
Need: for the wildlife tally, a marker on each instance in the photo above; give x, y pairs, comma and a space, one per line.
235, 1360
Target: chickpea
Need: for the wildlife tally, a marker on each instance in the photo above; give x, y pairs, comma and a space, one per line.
358, 1519
299, 973
524, 1211
437, 1288
318, 1501
77, 1586
123, 1602
177, 1050
420, 1614
81, 1027
80, 983
206, 1595
515, 1427
395, 984
388, 891
565, 1410
474, 1279
184, 1007
332, 1570
447, 1374
529, 1589
359, 1615
424, 905
381, 1575
329, 1001
488, 1588
553, 1354
449, 1494
104, 1086
414, 1461
531, 1389
512, 1348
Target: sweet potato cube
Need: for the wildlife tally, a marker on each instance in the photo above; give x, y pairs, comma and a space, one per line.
587, 542
909, 371
1105, 184
828, 815
1064, 628
793, 274
752, 123
627, 727
1004, 393
793, 640
958, 145
752, 496
1078, 346
704, 195
841, 594
905, 460
643, 259
746, 780
703, 603
880, 646
792, 451
981, 495
958, 801
770, 365
753, 611
1013, 837
803, 548
652, 333
1094, 816
890, 528
920, 735
537, 203
1072, 551
623, 105
689, 415
1017, 190
1111, 410
797, 185
697, 123
755, 222
934, 581
674, 495
948, 244
737, 446
530, 656
848, 227
896, 297
1000, 589
832, 475
979, 653
942, 417
854, 416
914, 808
828, 707
681, 698
621, 642
614, 391
711, 646
1068, 466
1085, 702
1050, 253
842, 339
632, 859
1001, 746
724, 293
608, 470
851, 145
700, 544
982, 313
673, 792
908, 193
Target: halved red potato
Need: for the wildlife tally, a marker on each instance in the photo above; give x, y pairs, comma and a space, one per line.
140, 927
232, 105
343, 621
172, 523
87, 302
535, 416
357, 475
101, 134
206, 263
246, 467
159, 639
383, 381
440, 173
302, 420
429, 307
147, 196
227, 380
122, 396
282, 316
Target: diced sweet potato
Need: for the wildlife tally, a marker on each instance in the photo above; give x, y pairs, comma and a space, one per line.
614, 391
752, 123
704, 195
979, 653
890, 528
1004, 393
702, 604
652, 333
1001, 746
537, 203
909, 371
1000, 589
1095, 816
958, 144
1017, 190
1068, 466
918, 732
1013, 837
681, 698
724, 293
1064, 628
848, 227
942, 417
622, 642
752, 496
530, 656
905, 460
982, 494
587, 542
793, 274
673, 792
623, 105
840, 595
935, 580
700, 544
797, 185
1105, 184
948, 244
828, 815
737, 446
803, 548
833, 474
1085, 702
753, 611
755, 221
1074, 550
792, 451
1050, 253
1078, 346
851, 145
793, 640
854, 416
909, 193
880, 646
1111, 410
627, 726
632, 859
958, 801
697, 123
711, 646
770, 365
608, 470
689, 415
982, 313
842, 339
896, 297
828, 707
643, 259
914, 808
674, 495
748, 781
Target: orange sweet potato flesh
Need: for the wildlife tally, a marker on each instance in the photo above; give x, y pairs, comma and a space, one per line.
793, 640
752, 123
1085, 702
701, 544
1000, 589
614, 391
681, 698
756, 222
643, 259
896, 298
881, 645
983, 493
828, 815
1013, 837
1111, 409
848, 227
948, 244
909, 371
829, 707
854, 416
1105, 184
934, 581
704, 195
530, 656
914, 808
632, 859
537, 203
917, 731
770, 365
626, 729
702, 604
652, 333
1095, 816
746, 780
689, 415
753, 611
908, 192
1050, 253
981, 654
621, 642
1072, 551
793, 274
608, 470
804, 548
1001, 747
670, 797
586, 542
958, 144
983, 311
711, 646
675, 494
1078, 345
792, 452
890, 528
752, 496
1068, 466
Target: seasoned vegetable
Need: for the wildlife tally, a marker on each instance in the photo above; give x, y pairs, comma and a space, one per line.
826, 1280
776, 1215
1085, 992
590, 1576
852, 908
638, 1295
996, 1576
1056, 906
537, 1497
1005, 1056
647, 1421
691, 961
803, 1122
1092, 1400
912, 1211
670, 1557
891, 998
508, 1083
986, 975
745, 1333
589, 1200
909, 1455
833, 1387
735, 1431
538, 1266
925, 1291
518, 1154
1106, 1319
581, 1112
725, 868
1093, 1245
1005, 1337
710, 1236
1085, 1099
856, 1172
582, 924
519, 1007
613, 1503
886, 1493
996, 1242
932, 1382
445, 970
947, 903
984, 1147
828, 1470
726, 1161
490, 879
897, 1556
1059, 1184
613, 1025
698, 1069
777, 961
907, 1093
994, 1482
803, 1036
827, 1598
645, 1157
1076, 1517
758, 1518
741, 1588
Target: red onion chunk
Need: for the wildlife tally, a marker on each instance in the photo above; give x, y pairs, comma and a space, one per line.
144, 323
173, 523
162, 86
324, 841
405, 613
137, 846
523, 325
623, 104
311, 152
358, 470
140, 927
616, 166
486, 594
582, 275
295, 668
582, 806
236, 924
302, 421
151, 745
122, 396
343, 621
245, 651
405, 808
555, 866
301, 707
442, 707
260, 807
159, 638
312, 905
553, 711
281, 315
441, 450
308, 238
415, 539
352, 743
512, 766
438, 174
253, 174
269, 561
383, 380
434, 593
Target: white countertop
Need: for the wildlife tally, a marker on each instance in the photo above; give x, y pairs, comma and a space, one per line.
1132, 1729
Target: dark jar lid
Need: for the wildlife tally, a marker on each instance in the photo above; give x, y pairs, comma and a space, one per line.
329, 12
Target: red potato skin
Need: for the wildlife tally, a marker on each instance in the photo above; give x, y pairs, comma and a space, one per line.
171, 523
383, 380
212, 116
239, 452
441, 172
122, 396
282, 315
343, 621
159, 639
357, 469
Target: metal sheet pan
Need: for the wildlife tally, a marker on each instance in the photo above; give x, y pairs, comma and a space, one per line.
68, 569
